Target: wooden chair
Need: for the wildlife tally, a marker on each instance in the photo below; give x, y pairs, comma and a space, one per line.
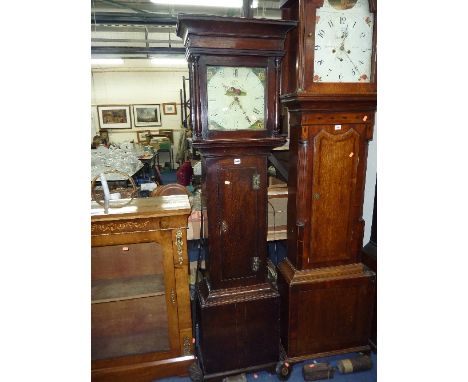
170, 189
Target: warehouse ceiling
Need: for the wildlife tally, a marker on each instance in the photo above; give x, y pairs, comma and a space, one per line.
143, 29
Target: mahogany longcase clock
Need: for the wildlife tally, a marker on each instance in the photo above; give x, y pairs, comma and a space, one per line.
329, 86
235, 78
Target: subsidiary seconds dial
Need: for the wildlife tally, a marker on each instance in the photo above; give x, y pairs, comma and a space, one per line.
343, 42
236, 98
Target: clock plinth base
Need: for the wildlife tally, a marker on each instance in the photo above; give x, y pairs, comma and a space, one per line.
325, 311
237, 329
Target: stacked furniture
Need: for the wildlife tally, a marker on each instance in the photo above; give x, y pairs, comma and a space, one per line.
140, 310
329, 87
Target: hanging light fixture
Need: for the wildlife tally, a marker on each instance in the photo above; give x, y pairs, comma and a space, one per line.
169, 61
206, 3
107, 61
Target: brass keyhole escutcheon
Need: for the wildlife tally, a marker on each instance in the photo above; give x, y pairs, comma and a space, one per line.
316, 196
223, 227
256, 182
255, 263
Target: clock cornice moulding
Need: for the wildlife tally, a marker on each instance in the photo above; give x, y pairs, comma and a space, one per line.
233, 35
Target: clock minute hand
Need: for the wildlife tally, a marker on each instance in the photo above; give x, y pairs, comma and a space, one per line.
236, 99
349, 58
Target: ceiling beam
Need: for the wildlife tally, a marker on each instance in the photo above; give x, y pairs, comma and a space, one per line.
133, 28
130, 40
119, 5
135, 50
131, 19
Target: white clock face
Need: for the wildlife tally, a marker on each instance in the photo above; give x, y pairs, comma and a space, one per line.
236, 98
343, 42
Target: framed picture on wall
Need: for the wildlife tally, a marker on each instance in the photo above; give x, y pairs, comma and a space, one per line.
114, 117
142, 135
170, 108
147, 115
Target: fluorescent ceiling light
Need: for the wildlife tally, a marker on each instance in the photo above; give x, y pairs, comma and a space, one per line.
206, 3
107, 61
163, 61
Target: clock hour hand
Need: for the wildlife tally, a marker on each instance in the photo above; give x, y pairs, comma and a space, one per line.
232, 103
344, 36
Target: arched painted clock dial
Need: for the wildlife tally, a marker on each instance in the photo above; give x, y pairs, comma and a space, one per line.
343, 42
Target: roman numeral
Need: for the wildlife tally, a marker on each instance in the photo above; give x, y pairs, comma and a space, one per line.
340, 76
362, 63
256, 111
321, 33
362, 35
330, 23
354, 24
236, 72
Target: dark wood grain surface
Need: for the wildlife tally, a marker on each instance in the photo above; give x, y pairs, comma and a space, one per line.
325, 310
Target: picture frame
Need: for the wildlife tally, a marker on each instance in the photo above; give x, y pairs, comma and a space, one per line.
114, 117
170, 108
147, 115
141, 135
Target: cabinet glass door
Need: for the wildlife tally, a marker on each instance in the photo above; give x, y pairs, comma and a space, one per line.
128, 301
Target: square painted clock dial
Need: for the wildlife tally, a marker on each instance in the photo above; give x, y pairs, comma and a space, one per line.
236, 97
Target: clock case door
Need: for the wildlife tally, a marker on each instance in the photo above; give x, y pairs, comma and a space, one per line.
298, 64
236, 207
328, 156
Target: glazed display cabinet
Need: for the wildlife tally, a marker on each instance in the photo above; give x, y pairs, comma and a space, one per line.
140, 308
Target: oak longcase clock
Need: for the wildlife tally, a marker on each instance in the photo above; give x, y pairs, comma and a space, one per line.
329, 87
234, 68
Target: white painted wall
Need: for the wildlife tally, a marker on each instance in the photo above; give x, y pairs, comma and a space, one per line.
371, 177
137, 82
